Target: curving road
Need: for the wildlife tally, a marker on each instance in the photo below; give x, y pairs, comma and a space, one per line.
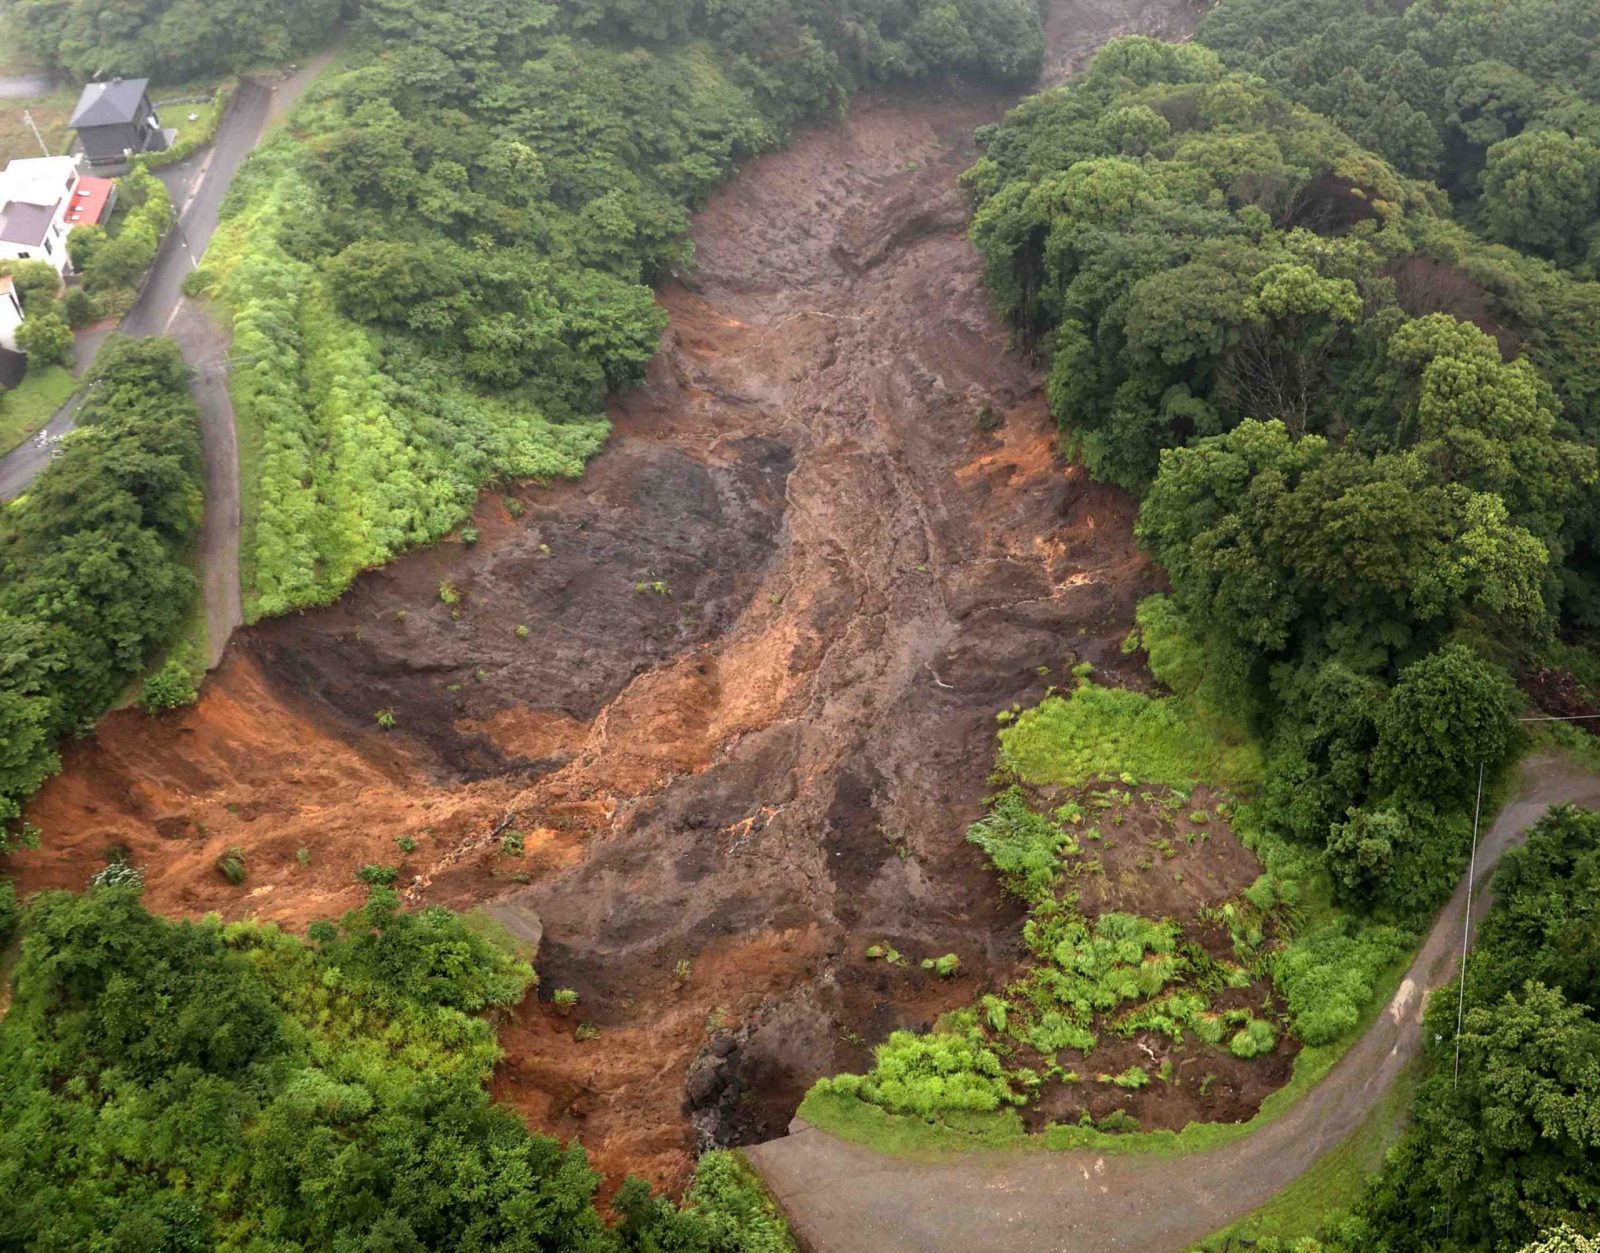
842, 1198
198, 186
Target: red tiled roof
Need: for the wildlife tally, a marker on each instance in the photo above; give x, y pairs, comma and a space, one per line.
89, 201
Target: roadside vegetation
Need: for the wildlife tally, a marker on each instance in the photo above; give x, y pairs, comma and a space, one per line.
1501, 1149
440, 268
96, 559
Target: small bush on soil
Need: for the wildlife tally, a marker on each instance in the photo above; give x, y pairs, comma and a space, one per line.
119, 874
585, 1031
563, 999
951, 1068
513, 844
385, 718
1256, 1039
469, 535
405, 843
231, 866
303, 856
448, 593
1133, 1078
378, 876
1025, 846
172, 686
521, 632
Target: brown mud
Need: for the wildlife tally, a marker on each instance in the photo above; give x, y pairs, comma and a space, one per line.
753, 709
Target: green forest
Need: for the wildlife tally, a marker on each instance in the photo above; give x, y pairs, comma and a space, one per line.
167, 40
193, 1086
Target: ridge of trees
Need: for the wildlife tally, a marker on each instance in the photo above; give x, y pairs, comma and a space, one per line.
167, 40
1498, 100
1344, 472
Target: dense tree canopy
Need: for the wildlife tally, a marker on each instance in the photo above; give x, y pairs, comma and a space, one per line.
95, 560
1511, 1148
1497, 99
168, 40
189, 1086
1291, 352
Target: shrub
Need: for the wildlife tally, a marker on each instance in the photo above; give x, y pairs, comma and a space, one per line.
231, 866
378, 876
1255, 1039
10, 912
448, 593
563, 999
46, 338
78, 308
385, 718
170, 687
513, 844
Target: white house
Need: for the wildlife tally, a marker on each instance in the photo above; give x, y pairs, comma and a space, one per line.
10, 313
36, 194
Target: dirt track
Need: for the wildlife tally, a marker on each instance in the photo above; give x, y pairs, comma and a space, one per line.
753, 710
845, 1199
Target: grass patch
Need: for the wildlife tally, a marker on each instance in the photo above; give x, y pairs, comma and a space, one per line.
27, 407
50, 114
1100, 732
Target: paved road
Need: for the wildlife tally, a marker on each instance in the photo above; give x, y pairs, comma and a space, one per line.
198, 187
842, 1198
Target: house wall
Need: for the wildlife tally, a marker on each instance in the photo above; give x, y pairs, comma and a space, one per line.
54, 247
10, 318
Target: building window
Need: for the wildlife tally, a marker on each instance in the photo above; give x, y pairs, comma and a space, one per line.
47, 249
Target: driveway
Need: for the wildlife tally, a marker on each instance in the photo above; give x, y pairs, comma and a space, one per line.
842, 1198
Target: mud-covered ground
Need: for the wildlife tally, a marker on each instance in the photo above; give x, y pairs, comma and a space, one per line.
752, 709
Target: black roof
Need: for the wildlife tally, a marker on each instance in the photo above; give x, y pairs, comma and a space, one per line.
110, 104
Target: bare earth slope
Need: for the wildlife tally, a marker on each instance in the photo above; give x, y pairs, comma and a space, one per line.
845, 1199
753, 709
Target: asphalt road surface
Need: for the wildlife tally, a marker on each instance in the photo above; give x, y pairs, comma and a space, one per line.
842, 1198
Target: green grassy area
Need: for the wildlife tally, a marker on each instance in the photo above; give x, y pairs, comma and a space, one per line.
1334, 1183
1105, 732
50, 114
29, 406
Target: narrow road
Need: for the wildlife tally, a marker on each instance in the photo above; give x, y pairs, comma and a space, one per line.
198, 187
842, 1198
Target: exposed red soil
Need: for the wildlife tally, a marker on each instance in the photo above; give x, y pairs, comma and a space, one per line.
760, 767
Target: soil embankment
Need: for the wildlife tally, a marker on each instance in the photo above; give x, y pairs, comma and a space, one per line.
752, 709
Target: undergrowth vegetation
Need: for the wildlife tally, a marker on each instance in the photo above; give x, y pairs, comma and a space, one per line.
1076, 768
440, 267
